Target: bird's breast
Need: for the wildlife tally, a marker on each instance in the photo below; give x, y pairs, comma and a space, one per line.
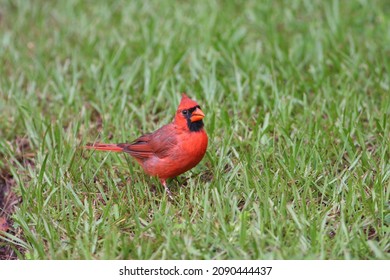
186, 154
192, 147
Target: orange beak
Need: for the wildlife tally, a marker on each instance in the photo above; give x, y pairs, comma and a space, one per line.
197, 115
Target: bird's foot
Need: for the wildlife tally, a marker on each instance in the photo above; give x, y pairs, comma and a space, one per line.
169, 193
164, 183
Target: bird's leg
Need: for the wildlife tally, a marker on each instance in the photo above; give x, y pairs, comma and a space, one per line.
164, 183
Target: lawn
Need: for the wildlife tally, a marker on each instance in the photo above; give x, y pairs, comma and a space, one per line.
297, 102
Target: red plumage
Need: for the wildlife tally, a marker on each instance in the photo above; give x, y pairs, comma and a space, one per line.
171, 150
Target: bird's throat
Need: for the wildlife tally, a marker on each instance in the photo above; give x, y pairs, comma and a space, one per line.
195, 126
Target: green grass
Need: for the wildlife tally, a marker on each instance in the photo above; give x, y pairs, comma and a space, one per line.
297, 102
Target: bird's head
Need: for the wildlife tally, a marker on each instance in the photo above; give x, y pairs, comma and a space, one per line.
189, 114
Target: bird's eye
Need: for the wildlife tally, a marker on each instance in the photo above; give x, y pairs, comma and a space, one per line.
185, 112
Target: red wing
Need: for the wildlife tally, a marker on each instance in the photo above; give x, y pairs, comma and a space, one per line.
158, 143
140, 148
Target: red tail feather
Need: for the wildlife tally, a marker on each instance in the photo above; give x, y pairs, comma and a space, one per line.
104, 147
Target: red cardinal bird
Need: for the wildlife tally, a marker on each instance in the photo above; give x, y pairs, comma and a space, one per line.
171, 150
